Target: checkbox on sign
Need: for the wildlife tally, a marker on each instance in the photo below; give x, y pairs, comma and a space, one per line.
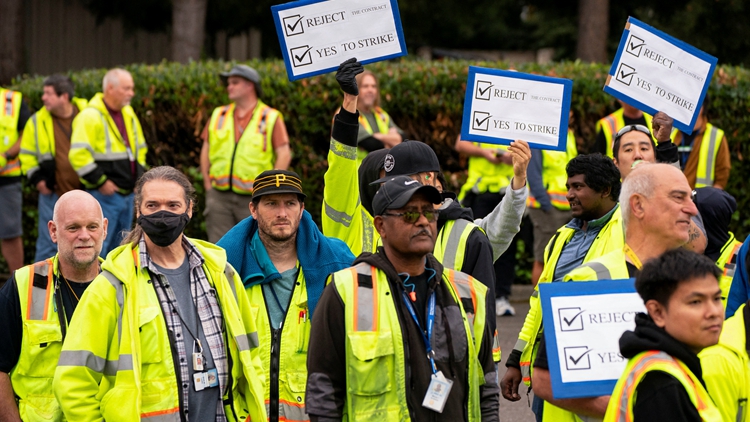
577, 358
301, 56
483, 90
625, 74
293, 25
635, 45
481, 121
571, 319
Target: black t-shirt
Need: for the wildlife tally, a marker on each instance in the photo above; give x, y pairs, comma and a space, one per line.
660, 397
11, 320
419, 284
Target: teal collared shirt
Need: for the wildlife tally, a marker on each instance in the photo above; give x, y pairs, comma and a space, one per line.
575, 251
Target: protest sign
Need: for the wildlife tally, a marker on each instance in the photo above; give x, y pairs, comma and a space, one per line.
501, 106
317, 35
583, 323
653, 72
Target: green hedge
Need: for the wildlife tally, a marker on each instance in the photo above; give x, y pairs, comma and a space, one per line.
425, 98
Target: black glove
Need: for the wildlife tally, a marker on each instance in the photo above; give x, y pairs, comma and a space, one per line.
346, 73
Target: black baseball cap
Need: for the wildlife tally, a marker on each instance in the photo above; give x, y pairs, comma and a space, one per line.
277, 181
397, 191
409, 157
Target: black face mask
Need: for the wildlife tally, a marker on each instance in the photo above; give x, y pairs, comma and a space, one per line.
163, 227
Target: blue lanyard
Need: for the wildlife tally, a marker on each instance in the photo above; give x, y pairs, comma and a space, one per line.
430, 322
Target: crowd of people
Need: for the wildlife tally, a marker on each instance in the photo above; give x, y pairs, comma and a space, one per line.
122, 317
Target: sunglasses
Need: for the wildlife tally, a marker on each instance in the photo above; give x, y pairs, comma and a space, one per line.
630, 128
411, 217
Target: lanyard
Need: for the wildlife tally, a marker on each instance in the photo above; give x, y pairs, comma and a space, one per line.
633, 257
430, 322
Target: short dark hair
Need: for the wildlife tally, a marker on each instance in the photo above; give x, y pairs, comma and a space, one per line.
61, 84
599, 172
660, 277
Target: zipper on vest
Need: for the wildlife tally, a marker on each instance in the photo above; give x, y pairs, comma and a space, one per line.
231, 165
273, 382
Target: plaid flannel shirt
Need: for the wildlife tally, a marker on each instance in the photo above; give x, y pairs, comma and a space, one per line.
209, 313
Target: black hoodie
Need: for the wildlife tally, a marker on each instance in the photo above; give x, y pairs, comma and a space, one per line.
660, 396
326, 383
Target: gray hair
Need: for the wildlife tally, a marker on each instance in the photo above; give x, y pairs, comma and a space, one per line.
640, 181
112, 77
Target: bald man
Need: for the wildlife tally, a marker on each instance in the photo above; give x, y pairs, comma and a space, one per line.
36, 305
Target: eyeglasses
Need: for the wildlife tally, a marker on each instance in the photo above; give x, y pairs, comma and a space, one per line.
630, 128
411, 217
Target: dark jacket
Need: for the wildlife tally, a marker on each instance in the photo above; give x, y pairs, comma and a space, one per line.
326, 359
660, 396
478, 261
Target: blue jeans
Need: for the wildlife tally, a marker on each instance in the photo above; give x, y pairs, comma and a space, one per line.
118, 209
537, 406
45, 248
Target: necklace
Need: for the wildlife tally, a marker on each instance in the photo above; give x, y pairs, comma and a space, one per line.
70, 287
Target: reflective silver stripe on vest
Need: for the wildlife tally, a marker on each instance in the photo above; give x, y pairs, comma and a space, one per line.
622, 414
708, 180
9, 103
454, 241
247, 341
117, 284
167, 417
365, 309
602, 272
520, 345
535, 293
338, 216
97, 364
38, 294
290, 413
110, 156
229, 274
88, 168
36, 133
107, 139
343, 150
82, 145
741, 403
461, 281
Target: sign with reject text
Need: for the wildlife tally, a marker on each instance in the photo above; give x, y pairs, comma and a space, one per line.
656, 72
583, 323
501, 106
317, 35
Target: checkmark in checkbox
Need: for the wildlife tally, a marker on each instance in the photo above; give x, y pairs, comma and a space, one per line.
481, 121
293, 25
301, 56
483, 90
625, 74
571, 319
577, 358
635, 45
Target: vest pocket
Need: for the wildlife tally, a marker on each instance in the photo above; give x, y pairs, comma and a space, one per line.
369, 373
150, 325
44, 340
39, 408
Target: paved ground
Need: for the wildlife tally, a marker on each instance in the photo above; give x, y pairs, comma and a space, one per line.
508, 328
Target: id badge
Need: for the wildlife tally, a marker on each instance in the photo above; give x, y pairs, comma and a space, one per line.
213, 378
437, 392
197, 361
200, 381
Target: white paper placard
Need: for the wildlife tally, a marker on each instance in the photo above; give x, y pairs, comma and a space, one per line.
656, 72
501, 106
316, 36
583, 323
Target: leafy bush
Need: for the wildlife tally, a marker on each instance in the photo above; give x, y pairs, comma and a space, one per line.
425, 98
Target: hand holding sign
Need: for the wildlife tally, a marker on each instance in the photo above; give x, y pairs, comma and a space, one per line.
346, 76
521, 155
662, 127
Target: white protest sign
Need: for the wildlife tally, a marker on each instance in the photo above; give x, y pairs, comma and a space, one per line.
583, 323
316, 36
656, 72
501, 106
